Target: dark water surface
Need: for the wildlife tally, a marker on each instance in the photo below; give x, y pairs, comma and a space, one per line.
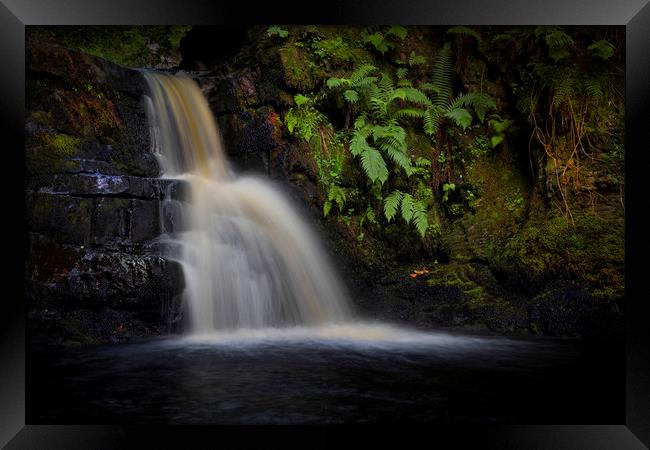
311, 377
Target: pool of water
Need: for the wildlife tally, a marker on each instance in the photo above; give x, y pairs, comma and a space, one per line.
358, 373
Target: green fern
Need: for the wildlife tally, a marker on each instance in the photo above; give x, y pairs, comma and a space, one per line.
277, 31
410, 94
441, 82
431, 118
336, 195
351, 96
480, 102
374, 165
411, 210
460, 116
412, 113
416, 60
391, 204
420, 219
465, 30
397, 31
602, 49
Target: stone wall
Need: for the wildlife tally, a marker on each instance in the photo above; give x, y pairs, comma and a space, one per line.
93, 268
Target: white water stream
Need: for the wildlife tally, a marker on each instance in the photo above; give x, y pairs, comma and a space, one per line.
249, 260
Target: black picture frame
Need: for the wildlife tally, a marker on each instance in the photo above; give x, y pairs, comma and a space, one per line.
634, 14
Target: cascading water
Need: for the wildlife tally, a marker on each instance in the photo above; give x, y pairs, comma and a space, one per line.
248, 259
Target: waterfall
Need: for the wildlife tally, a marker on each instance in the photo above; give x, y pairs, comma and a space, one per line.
248, 258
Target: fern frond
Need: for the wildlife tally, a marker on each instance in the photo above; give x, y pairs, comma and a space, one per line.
556, 37
351, 96
465, 30
358, 142
593, 88
385, 85
373, 165
420, 219
378, 106
391, 204
390, 130
301, 99
480, 102
398, 31
563, 91
431, 120
422, 162
410, 94
337, 194
412, 113
334, 82
429, 87
442, 76
361, 72
416, 60
602, 49
408, 208
460, 116
400, 158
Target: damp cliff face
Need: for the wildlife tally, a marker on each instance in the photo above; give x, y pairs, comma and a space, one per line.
527, 228
93, 270
529, 222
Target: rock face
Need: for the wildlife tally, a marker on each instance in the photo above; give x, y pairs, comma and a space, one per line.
504, 260
93, 268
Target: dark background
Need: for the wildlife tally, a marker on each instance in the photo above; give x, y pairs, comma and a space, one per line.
14, 14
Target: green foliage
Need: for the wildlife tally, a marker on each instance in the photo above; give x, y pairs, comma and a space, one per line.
133, 46
466, 31
277, 31
590, 249
383, 39
602, 49
447, 189
412, 211
398, 31
416, 60
558, 42
460, 117
380, 123
481, 146
443, 106
62, 143
304, 119
336, 194
500, 128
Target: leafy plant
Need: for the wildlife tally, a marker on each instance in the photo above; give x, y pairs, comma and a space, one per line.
277, 31
384, 40
465, 31
411, 210
446, 111
602, 49
378, 127
500, 127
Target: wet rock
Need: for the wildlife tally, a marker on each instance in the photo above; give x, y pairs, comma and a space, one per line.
145, 220
67, 219
92, 203
110, 219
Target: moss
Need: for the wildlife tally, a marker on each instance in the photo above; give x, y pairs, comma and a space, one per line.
497, 207
297, 68
134, 46
63, 144
591, 249
85, 113
43, 118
